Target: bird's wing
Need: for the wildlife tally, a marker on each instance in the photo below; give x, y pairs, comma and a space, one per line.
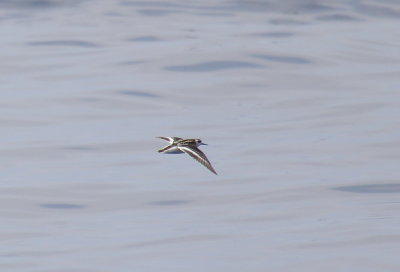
170, 139
165, 148
198, 155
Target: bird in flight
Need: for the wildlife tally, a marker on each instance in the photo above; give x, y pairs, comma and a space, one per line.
189, 146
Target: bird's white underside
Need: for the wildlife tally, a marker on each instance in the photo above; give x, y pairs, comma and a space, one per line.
174, 150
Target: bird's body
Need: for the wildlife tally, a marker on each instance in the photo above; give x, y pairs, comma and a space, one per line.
189, 146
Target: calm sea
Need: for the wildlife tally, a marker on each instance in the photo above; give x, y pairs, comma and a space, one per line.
298, 101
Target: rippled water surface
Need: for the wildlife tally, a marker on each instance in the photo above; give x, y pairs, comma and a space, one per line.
298, 101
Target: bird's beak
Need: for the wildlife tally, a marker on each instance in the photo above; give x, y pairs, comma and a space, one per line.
204, 144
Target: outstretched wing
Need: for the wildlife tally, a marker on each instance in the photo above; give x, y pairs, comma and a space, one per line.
198, 155
170, 139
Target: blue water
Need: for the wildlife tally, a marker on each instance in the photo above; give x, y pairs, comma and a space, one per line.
298, 102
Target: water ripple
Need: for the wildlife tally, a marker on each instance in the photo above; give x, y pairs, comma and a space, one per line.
212, 66
371, 188
75, 43
62, 206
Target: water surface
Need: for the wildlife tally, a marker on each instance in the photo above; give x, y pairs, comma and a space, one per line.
297, 100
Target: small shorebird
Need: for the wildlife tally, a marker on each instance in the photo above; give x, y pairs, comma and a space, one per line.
189, 146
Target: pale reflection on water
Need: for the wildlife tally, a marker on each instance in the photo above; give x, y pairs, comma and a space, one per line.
297, 100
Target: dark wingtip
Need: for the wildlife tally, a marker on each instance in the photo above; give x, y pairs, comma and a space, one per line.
212, 170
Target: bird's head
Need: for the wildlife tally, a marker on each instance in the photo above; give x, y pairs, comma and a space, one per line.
199, 142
